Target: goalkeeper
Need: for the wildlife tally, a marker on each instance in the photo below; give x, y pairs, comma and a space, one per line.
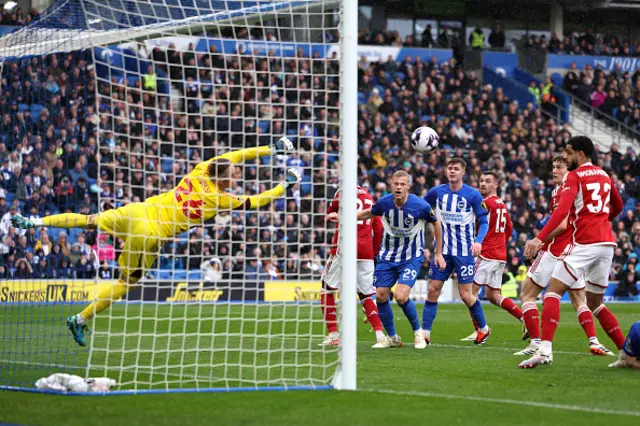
198, 197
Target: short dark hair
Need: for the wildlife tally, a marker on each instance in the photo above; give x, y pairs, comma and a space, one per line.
560, 159
582, 143
458, 160
493, 173
218, 167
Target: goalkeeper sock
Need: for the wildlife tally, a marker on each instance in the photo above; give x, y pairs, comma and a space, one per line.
478, 314
409, 309
610, 324
328, 303
65, 220
509, 306
429, 314
585, 318
105, 297
385, 312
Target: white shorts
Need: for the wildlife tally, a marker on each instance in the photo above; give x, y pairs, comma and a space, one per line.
489, 272
542, 268
592, 261
331, 276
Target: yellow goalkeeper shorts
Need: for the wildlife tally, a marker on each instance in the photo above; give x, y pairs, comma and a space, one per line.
136, 224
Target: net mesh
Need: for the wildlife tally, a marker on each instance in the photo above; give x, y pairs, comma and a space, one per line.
116, 102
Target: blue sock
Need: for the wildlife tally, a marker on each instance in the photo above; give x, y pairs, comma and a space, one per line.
429, 314
386, 316
478, 314
409, 309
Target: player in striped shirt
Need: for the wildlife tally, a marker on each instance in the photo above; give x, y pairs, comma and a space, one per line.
458, 206
401, 254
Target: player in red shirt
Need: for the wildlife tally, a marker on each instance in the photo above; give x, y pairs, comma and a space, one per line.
493, 257
596, 200
541, 271
369, 238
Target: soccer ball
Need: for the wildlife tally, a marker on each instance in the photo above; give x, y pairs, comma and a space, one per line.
424, 139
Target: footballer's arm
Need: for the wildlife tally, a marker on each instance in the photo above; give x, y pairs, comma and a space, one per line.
365, 214
438, 258
559, 230
281, 147
630, 361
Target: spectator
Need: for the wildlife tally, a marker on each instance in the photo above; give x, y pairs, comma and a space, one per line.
105, 272
212, 270
427, 37
497, 38
476, 39
105, 250
627, 280
84, 269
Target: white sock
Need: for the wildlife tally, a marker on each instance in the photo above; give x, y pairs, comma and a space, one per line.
37, 221
80, 319
484, 329
379, 335
427, 334
594, 340
536, 341
545, 347
334, 335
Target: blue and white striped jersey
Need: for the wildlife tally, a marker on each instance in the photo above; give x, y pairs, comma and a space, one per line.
403, 237
458, 212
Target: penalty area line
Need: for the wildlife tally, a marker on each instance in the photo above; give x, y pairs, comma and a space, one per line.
509, 402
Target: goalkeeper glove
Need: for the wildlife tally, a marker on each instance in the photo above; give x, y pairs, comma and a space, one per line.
282, 146
292, 177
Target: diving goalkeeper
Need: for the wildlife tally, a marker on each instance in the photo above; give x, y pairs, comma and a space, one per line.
145, 226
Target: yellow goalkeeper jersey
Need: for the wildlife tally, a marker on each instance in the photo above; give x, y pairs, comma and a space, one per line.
196, 199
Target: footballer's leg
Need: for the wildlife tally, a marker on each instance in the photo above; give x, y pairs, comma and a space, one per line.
585, 318
384, 278
63, 220
464, 269
564, 278
493, 291
437, 277
330, 282
530, 314
407, 275
597, 280
138, 254
366, 291
480, 279
472, 337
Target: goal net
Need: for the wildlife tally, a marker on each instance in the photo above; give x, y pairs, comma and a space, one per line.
111, 102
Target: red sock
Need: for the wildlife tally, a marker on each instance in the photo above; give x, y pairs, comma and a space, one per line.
531, 319
328, 303
371, 310
585, 318
473, 320
550, 315
610, 324
509, 306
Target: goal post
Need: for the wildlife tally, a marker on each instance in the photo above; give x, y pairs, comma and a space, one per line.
116, 102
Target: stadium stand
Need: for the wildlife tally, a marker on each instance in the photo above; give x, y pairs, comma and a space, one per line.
52, 158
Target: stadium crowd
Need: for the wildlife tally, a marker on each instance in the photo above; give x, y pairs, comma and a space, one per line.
53, 159
615, 93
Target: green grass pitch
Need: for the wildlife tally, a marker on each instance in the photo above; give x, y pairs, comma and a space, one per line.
451, 382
